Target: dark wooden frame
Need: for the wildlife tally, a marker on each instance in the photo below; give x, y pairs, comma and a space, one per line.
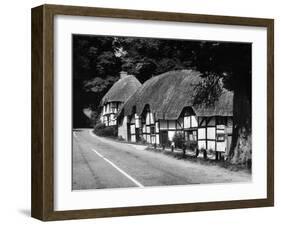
42, 112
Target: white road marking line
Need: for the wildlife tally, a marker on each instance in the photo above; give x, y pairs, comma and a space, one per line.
120, 170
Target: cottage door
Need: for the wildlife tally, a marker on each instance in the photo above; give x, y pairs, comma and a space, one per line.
164, 138
137, 134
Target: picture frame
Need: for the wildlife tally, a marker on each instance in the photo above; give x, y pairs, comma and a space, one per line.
43, 182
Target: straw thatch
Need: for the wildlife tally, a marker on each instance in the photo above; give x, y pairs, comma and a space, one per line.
167, 94
121, 90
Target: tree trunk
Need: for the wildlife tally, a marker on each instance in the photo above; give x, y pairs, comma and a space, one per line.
242, 153
241, 146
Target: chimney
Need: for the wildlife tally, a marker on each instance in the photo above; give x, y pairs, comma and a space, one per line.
123, 74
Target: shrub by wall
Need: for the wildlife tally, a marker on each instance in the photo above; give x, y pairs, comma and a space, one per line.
179, 140
191, 145
105, 131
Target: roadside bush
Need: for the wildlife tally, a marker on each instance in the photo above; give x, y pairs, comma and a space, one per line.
204, 151
105, 131
99, 126
142, 140
179, 140
211, 151
191, 145
169, 143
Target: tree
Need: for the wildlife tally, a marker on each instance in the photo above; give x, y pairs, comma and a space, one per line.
229, 65
146, 57
95, 68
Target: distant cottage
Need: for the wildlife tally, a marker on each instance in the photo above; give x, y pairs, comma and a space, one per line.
116, 96
163, 105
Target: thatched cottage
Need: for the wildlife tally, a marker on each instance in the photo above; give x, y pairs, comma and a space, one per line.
116, 96
164, 105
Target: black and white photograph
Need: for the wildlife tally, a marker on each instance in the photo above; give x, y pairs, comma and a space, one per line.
160, 112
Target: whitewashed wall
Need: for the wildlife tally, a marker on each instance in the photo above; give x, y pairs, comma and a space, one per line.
122, 128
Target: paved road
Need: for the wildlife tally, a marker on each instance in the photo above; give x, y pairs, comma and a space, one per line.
103, 163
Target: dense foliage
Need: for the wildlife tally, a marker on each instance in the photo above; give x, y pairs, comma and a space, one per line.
105, 131
179, 141
95, 69
191, 145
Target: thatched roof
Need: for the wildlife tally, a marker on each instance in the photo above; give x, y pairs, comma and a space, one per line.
167, 94
122, 90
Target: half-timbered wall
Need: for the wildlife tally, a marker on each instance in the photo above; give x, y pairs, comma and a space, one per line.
109, 111
161, 131
170, 127
134, 127
214, 133
148, 127
190, 125
210, 133
143, 127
